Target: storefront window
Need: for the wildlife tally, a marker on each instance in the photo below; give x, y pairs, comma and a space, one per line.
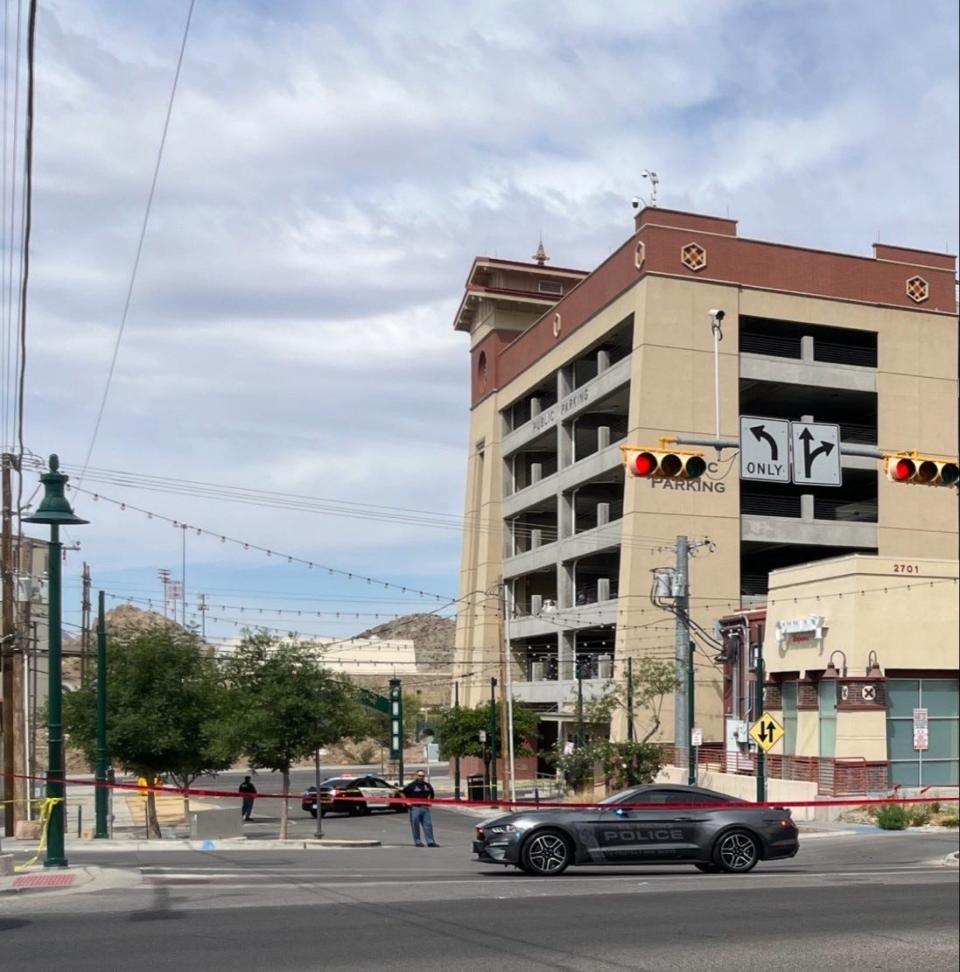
939, 763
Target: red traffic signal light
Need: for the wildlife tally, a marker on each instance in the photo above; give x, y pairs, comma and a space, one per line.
663, 463
924, 470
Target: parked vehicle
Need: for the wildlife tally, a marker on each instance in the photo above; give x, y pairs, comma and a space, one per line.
353, 795
652, 824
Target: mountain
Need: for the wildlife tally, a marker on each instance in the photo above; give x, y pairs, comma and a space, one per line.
432, 638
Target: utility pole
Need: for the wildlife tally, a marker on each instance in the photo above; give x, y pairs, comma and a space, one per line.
493, 738
164, 575
631, 731
681, 601
84, 623
202, 608
691, 719
183, 577
7, 638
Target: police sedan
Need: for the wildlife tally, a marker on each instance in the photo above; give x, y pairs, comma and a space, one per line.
354, 795
652, 824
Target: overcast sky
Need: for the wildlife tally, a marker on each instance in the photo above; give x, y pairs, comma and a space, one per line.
331, 170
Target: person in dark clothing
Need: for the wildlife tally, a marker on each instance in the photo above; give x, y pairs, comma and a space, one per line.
247, 789
420, 789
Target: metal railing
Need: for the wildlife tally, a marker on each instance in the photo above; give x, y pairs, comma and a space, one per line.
850, 776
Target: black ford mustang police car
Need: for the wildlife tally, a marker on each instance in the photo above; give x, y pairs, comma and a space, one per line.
652, 824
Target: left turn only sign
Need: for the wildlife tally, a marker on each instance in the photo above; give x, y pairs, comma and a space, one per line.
766, 732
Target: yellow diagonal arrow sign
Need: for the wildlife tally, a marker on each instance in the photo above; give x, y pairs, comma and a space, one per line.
766, 732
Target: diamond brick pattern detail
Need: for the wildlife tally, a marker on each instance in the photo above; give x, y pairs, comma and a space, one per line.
918, 290
693, 256
44, 880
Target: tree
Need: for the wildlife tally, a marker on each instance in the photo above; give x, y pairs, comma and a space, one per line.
164, 700
622, 764
625, 763
653, 680
459, 730
283, 706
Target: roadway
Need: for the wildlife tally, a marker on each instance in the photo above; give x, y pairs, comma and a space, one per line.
860, 901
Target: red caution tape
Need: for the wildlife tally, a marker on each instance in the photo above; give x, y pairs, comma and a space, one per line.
505, 805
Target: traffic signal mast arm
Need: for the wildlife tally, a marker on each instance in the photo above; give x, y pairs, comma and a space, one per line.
668, 462
899, 467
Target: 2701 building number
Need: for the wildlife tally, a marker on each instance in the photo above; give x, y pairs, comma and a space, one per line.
906, 569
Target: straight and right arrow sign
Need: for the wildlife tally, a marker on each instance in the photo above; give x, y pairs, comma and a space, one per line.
816, 454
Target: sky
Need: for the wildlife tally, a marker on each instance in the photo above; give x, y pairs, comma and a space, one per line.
330, 171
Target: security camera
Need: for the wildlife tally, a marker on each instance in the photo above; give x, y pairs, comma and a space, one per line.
635, 202
716, 314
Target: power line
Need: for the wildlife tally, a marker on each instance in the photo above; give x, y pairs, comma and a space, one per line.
272, 499
143, 233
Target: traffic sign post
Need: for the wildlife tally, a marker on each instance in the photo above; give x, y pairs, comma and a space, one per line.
816, 454
764, 449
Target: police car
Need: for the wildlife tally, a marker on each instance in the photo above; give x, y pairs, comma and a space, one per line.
353, 795
652, 824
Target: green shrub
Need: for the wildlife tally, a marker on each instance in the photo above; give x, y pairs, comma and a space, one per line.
950, 820
935, 807
919, 816
893, 817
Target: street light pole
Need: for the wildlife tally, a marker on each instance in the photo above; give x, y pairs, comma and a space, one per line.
101, 795
759, 677
493, 737
55, 511
456, 758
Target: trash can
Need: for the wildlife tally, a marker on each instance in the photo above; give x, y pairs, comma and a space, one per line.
476, 791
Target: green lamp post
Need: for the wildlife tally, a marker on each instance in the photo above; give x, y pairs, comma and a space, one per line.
55, 510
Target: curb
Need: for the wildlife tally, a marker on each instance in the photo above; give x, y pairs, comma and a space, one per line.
220, 844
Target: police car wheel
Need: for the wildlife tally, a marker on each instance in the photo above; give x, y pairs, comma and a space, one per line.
736, 852
546, 853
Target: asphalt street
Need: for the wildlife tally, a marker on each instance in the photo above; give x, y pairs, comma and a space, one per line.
863, 901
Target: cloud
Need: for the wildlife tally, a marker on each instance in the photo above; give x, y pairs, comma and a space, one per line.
332, 169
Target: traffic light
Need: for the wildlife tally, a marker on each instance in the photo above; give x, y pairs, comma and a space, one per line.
911, 467
663, 463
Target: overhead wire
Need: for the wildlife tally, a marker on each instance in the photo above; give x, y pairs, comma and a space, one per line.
272, 499
142, 237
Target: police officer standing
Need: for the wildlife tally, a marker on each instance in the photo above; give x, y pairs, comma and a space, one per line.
247, 789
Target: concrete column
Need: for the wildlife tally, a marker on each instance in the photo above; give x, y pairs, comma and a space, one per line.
564, 586
806, 506
535, 406
603, 588
603, 514
806, 347
603, 436
536, 472
565, 653
603, 360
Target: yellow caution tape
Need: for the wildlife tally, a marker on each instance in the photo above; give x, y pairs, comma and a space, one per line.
48, 804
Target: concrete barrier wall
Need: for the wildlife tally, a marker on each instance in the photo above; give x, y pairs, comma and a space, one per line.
745, 787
